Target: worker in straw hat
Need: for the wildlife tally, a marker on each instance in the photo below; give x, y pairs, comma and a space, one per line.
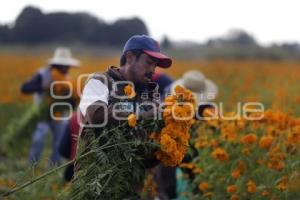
205, 91
44, 95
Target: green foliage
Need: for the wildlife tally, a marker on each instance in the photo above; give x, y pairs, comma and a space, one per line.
19, 130
16, 136
113, 168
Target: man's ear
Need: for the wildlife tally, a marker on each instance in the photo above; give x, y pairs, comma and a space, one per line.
130, 57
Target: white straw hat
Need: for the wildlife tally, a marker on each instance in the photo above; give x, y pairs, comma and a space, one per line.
63, 56
204, 89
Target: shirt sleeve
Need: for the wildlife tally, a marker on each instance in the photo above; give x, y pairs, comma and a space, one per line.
93, 91
33, 85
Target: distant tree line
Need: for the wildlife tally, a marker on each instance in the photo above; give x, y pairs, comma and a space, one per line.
33, 26
237, 44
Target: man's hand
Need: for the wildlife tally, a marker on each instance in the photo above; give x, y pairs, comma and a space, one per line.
151, 110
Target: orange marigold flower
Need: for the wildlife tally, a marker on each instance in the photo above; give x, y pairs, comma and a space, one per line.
228, 132
282, 185
187, 165
183, 112
251, 186
240, 124
154, 136
238, 170
293, 138
179, 89
249, 139
246, 151
265, 142
214, 143
170, 160
236, 173
231, 189
129, 91
167, 111
195, 169
229, 136
203, 186
167, 144
170, 100
220, 154
276, 164
191, 166
184, 93
132, 120
201, 142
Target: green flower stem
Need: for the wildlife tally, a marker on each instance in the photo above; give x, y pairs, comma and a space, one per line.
16, 189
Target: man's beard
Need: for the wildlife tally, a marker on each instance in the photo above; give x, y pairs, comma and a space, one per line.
142, 85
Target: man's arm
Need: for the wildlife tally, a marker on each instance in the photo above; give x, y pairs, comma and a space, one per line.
93, 104
33, 85
97, 112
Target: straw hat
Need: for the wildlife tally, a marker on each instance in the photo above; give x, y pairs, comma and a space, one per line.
63, 56
204, 89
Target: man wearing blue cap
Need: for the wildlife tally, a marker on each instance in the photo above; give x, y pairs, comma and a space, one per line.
141, 55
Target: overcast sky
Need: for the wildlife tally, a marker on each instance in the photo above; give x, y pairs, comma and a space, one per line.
268, 20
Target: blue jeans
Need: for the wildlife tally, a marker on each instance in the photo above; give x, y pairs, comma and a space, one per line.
38, 138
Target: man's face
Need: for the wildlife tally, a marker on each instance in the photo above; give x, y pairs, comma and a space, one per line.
143, 68
63, 69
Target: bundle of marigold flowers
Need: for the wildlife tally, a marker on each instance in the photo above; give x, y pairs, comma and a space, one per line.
178, 116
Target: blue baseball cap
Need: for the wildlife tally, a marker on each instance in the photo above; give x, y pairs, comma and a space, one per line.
150, 47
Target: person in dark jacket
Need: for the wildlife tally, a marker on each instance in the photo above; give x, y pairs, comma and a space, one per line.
40, 86
205, 91
163, 81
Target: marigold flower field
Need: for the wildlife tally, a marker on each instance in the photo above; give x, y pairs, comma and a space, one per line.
232, 159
